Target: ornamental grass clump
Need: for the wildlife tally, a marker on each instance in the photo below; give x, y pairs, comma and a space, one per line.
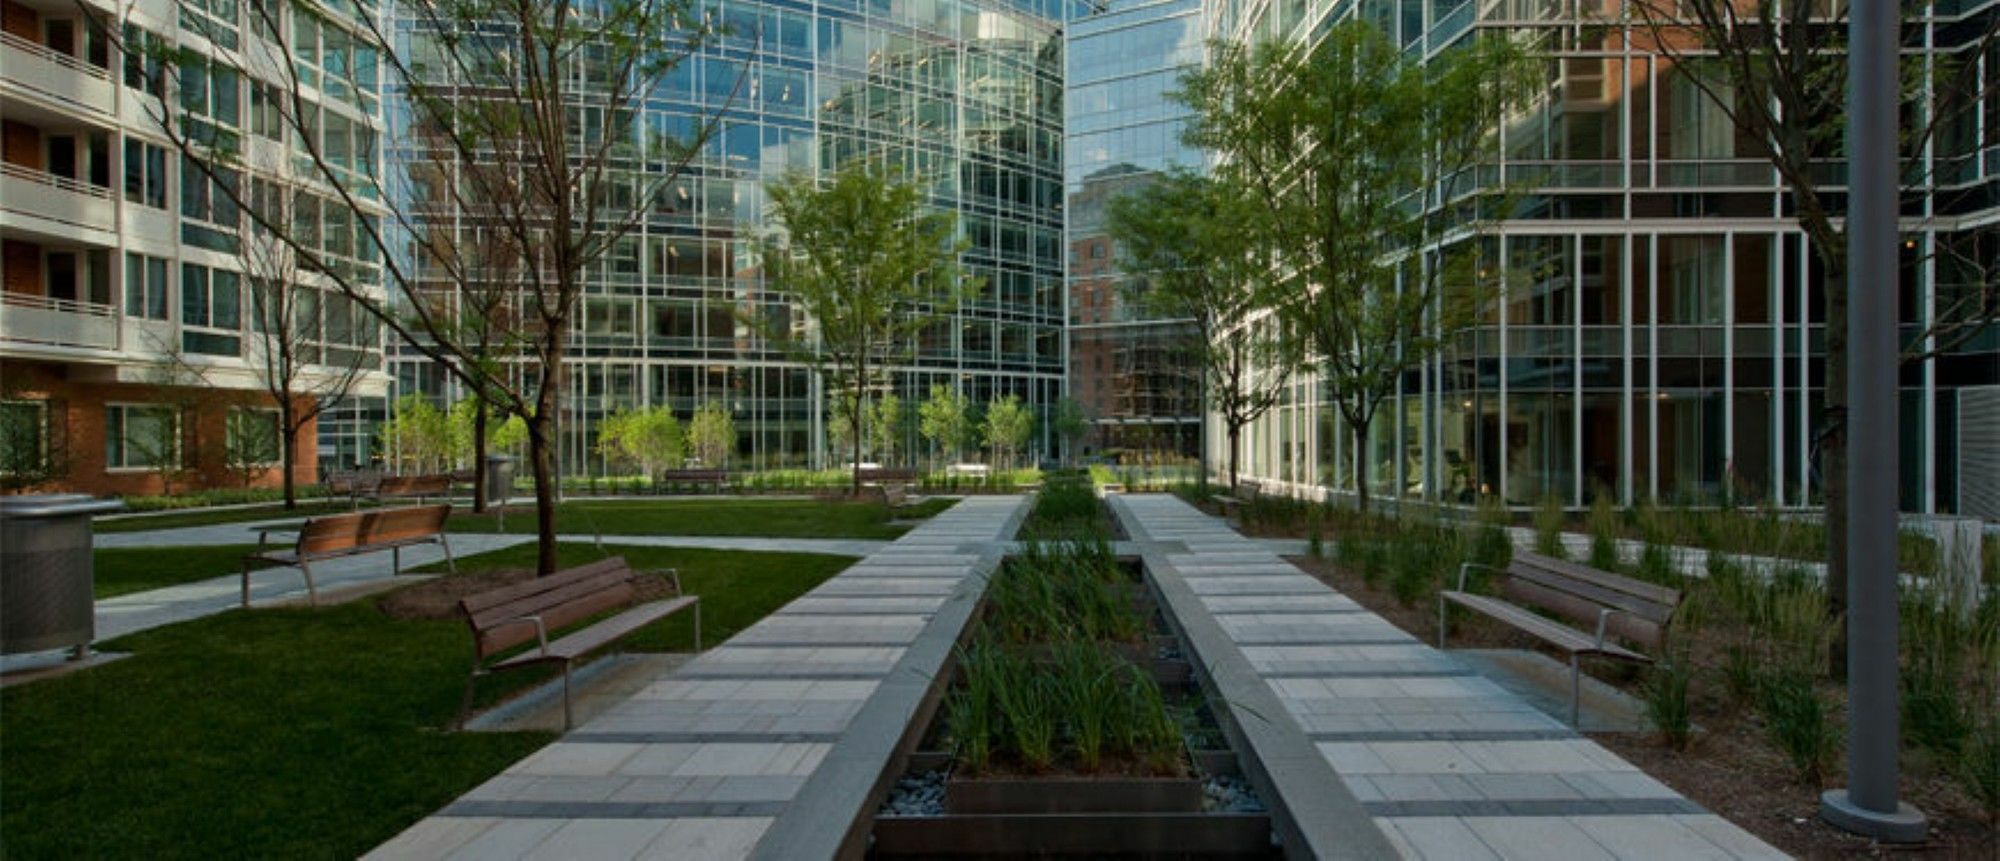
1605, 525
1549, 527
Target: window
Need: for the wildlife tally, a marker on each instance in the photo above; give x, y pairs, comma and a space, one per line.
252, 437
206, 198
211, 299
145, 286
141, 436
142, 64
145, 173
24, 442
267, 119
215, 19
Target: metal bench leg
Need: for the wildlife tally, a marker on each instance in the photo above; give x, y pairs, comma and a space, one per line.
395, 561
450, 564
312, 592
246, 584
465, 702
568, 716
1441, 628
1575, 693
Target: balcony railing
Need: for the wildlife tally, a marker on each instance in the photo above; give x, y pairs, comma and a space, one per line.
58, 322
38, 67
57, 198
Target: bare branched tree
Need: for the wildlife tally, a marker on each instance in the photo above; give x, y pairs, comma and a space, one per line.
531, 113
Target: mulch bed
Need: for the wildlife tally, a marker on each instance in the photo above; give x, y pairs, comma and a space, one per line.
1731, 768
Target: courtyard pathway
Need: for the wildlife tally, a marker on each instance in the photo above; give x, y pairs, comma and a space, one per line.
1359, 721
768, 744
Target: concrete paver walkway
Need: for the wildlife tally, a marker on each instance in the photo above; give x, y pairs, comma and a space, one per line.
757, 745
1446, 763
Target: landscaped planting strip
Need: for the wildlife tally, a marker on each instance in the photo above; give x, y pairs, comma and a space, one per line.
1444, 764
782, 724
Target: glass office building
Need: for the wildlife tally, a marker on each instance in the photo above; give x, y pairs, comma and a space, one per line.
966, 95
1127, 363
1668, 344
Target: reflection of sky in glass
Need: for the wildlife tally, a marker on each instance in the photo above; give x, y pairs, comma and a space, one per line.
1121, 63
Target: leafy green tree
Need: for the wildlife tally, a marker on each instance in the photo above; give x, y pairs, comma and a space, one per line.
651, 438
869, 266
942, 419
417, 437
1071, 424
711, 434
841, 426
1009, 423
1344, 148
886, 428
1188, 244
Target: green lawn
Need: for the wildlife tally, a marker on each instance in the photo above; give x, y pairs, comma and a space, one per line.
770, 518
124, 570
209, 517
286, 733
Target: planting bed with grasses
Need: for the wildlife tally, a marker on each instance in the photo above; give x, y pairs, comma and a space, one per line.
1071, 724
1747, 714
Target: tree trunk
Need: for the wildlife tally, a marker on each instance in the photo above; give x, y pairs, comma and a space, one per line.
1235, 437
541, 454
854, 427
288, 452
1833, 461
1361, 467
479, 456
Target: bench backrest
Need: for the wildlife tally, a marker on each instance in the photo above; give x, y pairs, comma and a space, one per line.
351, 481
695, 474
560, 599
416, 485
336, 532
1578, 592
887, 474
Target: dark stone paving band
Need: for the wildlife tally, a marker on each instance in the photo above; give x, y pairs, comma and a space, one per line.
788, 674
698, 737
611, 809
1446, 735
1538, 807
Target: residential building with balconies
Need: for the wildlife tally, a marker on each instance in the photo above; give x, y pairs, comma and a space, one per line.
131, 349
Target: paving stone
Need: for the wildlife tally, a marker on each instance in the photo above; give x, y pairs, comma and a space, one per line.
1439, 838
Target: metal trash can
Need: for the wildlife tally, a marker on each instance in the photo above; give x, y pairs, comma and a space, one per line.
499, 478
47, 572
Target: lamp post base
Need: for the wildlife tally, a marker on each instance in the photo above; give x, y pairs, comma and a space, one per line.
1906, 825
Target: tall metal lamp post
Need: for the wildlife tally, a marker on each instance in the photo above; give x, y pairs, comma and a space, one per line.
1869, 805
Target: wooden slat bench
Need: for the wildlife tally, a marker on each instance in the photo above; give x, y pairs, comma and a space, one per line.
892, 495
887, 475
418, 487
1612, 607
531, 612
335, 535
717, 480
353, 484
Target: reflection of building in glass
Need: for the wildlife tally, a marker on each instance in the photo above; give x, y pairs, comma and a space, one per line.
964, 94
1664, 342
129, 353
1126, 364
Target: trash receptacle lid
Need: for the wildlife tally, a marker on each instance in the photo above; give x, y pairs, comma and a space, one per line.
56, 505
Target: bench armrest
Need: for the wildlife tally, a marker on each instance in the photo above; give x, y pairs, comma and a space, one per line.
1604, 615
673, 574
1466, 568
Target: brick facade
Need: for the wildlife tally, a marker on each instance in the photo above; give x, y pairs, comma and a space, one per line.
76, 415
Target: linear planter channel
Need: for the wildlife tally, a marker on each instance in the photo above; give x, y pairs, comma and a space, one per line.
1071, 725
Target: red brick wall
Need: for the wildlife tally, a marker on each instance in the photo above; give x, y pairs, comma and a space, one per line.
77, 417
20, 20
21, 144
21, 267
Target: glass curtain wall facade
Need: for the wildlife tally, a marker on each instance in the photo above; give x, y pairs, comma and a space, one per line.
965, 95
1127, 364
1662, 337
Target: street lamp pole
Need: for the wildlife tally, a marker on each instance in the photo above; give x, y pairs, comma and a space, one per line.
1869, 805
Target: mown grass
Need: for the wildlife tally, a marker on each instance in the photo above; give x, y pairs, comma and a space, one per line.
298, 733
712, 516
124, 570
